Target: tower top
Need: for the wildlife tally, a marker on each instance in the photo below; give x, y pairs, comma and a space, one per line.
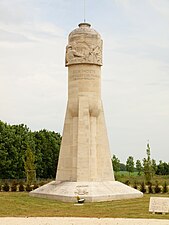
84, 24
84, 46
84, 29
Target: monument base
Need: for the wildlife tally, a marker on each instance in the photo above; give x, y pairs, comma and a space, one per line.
90, 191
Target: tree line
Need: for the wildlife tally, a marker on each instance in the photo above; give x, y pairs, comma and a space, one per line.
147, 166
18, 141
22, 150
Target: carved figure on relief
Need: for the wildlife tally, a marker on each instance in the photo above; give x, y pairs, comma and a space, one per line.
95, 55
72, 55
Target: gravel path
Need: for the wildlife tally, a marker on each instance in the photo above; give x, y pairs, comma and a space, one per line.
78, 221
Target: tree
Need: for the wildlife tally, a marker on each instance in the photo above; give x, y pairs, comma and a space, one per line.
22, 137
116, 163
29, 165
162, 168
147, 166
122, 167
14, 140
13, 143
47, 146
130, 164
8, 153
139, 167
154, 166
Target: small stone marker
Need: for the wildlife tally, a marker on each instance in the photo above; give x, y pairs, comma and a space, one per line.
159, 205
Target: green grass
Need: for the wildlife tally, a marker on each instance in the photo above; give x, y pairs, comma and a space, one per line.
21, 204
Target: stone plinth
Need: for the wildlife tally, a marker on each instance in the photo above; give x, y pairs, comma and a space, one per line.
90, 191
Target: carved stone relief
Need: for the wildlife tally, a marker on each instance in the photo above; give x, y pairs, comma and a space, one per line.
83, 52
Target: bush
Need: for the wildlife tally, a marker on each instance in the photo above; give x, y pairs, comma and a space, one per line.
35, 186
135, 185
127, 182
150, 188
143, 187
14, 186
5, 187
28, 188
165, 188
157, 188
21, 187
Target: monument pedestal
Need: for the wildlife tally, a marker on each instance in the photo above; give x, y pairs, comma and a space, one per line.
90, 191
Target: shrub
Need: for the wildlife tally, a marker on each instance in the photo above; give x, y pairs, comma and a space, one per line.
150, 188
157, 188
165, 188
127, 182
5, 187
14, 186
35, 186
135, 185
143, 187
21, 187
28, 188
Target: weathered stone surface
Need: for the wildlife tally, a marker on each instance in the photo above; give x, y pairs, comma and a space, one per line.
85, 154
85, 166
84, 46
159, 205
90, 191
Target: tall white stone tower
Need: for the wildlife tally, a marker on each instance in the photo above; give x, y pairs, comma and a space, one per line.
84, 167
84, 154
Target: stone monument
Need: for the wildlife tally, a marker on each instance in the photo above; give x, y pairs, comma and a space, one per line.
85, 167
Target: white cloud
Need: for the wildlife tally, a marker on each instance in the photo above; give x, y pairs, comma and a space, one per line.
161, 6
31, 69
31, 32
138, 84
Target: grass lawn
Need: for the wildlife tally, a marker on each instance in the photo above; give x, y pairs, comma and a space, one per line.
21, 204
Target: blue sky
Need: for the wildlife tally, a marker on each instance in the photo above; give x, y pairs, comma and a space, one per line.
135, 74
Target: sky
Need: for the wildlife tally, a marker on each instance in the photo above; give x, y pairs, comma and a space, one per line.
135, 72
